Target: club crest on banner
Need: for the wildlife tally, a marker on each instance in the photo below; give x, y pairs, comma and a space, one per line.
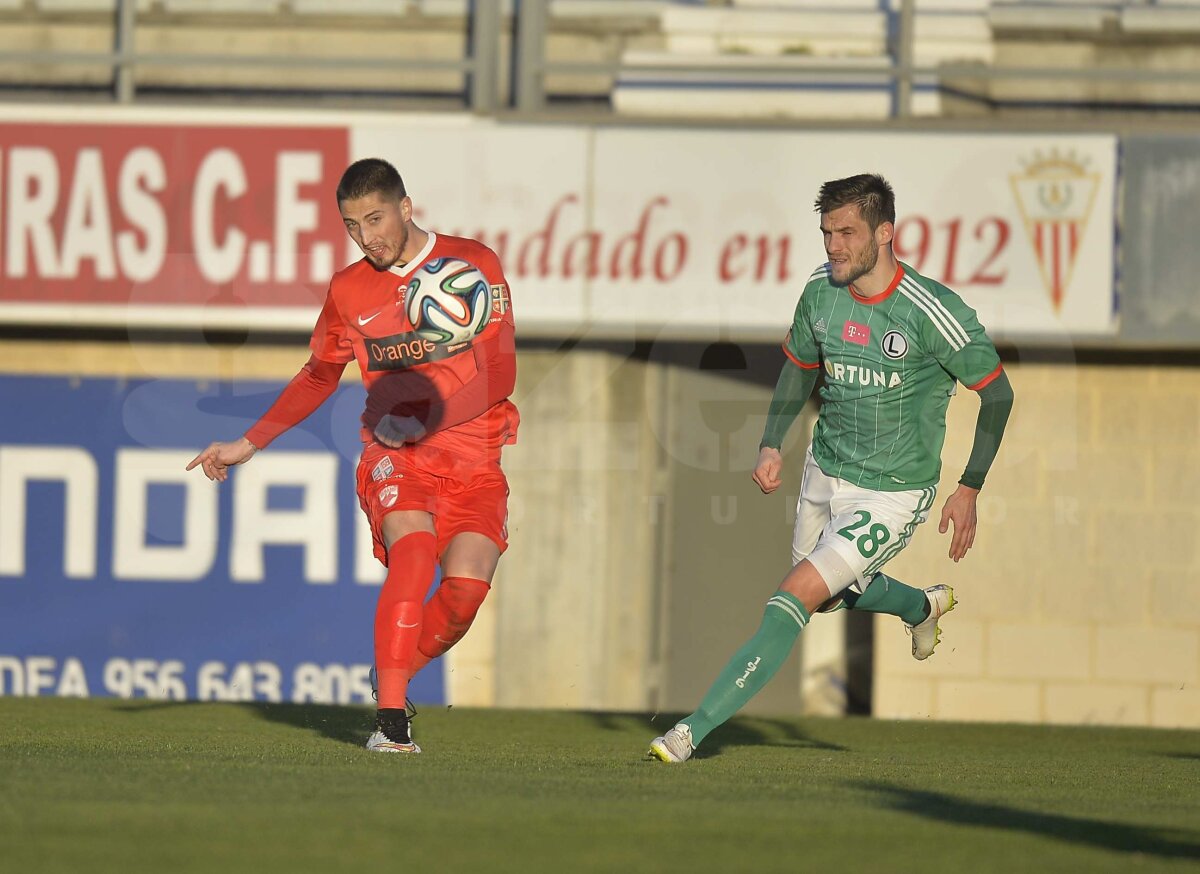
1055, 194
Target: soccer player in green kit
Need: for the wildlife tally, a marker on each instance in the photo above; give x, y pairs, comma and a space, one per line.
893, 345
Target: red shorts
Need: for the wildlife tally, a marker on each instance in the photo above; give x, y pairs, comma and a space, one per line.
461, 498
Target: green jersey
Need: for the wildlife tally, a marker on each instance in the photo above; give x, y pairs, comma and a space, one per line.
891, 365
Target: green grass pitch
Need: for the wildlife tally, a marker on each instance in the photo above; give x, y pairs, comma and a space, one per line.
129, 786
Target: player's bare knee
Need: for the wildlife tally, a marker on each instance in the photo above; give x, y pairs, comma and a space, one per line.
819, 579
472, 555
805, 583
405, 522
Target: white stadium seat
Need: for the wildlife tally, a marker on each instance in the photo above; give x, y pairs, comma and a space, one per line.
251, 7
1161, 20
811, 5
867, 5
455, 7
1060, 17
352, 7
794, 90
607, 8
940, 37
85, 5
712, 30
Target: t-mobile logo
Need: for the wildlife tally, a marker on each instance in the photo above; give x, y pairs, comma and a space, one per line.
853, 332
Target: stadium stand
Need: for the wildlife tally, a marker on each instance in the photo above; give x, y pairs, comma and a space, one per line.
351, 7
1070, 18
249, 7
67, 47
806, 43
79, 5
704, 69
733, 59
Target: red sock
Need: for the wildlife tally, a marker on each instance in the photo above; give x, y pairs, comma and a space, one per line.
448, 615
411, 561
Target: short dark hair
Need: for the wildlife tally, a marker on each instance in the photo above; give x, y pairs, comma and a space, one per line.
870, 192
370, 176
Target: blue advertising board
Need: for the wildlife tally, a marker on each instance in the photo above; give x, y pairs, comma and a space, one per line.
122, 574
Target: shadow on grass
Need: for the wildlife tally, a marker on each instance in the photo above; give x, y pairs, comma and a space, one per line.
1163, 842
742, 731
349, 725
762, 731
142, 705
1193, 757
352, 724
341, 723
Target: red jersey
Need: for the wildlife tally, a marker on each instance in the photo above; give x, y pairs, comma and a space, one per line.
365, 319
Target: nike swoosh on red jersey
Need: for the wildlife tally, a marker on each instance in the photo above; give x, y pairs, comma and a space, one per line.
362, 321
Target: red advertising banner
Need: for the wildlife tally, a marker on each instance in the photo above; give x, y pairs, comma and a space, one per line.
224, 218
187, 217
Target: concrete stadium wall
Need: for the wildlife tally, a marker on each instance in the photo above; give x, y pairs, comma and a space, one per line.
641, 553
1081, 598
1080, 602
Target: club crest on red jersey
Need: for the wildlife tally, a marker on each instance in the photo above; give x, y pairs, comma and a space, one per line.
382, 470
388, 495
500, 299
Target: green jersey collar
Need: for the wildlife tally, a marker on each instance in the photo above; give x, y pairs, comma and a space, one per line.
883, 295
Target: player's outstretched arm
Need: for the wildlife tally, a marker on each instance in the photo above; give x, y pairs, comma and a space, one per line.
219, 457
315, 382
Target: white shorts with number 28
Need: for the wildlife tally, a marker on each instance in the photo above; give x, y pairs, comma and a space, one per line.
847, 532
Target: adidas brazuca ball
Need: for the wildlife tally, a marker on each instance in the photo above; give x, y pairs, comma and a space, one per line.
448, 301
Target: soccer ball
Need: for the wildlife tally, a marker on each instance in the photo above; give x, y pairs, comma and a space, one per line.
448, 301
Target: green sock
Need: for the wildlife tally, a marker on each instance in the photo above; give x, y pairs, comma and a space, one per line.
886, 595
752, 665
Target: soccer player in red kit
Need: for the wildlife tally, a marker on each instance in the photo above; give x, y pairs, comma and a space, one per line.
436, 418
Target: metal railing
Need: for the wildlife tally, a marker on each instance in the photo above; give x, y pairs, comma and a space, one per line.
532, 67
479, 62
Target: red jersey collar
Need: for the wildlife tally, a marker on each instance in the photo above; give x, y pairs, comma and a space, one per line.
883, 295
